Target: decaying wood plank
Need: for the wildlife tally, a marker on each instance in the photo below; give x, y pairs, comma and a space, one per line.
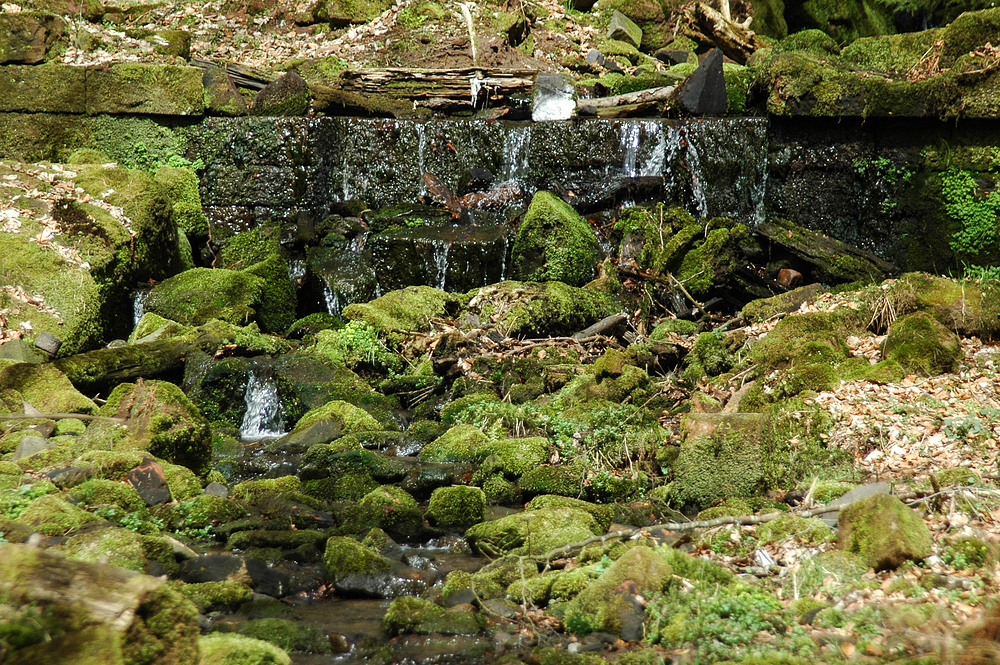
704, 24
425, 84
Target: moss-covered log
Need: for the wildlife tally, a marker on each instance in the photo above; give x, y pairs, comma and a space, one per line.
831, 259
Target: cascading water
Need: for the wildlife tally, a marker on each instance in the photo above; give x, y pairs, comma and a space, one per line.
631, 132
699, 200
265, 416
138, 306
516, 145
332, 300
439, 258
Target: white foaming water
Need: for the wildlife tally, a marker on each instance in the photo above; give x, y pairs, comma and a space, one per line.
440, 249
694, 169
630, 135
421, 151
516, 143
656, 159
265, 417
138, 306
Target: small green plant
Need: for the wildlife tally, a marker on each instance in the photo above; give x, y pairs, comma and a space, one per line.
137, 522
146, 160
410, 19
975, 213
15, 506
886, 178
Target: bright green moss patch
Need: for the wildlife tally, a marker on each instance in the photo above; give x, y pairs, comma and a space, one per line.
196, 296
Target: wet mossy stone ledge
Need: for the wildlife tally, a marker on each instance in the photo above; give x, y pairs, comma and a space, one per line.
123, 88
934, 73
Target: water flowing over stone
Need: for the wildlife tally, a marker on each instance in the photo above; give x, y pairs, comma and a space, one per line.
138, 306
265, 415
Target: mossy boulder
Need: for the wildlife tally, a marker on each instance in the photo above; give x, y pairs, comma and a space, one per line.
524, 309
884, 531
358, 347
723, 456
515, 457
196, 296
264, 489
763, 309
608, 605
107, 614
102, 492
181, 185
114, 546
810, 531
54, 516
163, 421
28, 37
408, 614
922, 345
326, 423
216, 596
533, 532
232, 648
287, 95
406, 309
458, 505
133, 87
603, 515
461, 443
554, 243
969, 308
345, 12
258, 252
291, 636
551, 479
44, 387
393, 510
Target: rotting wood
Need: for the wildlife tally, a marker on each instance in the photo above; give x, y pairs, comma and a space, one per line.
706, 25
426, 84
661, 94
243, 77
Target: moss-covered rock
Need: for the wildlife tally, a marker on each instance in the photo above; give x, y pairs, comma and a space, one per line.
406, 309
602, 514
515, 457
358, 347
163, 421
554, 243
226, 648
28, 37
533, 532
216, 596
101, 492
408, 614
461, 443
256, 491
392, 510
53, 516
45, 388
345, 556
114, 546
195, 296
921, 344
326, 423
456, 506
605, 606
551, 479
259, 253
523, 309
884, 531
810, 531
133, 87
291, 636
345, 12
181, 185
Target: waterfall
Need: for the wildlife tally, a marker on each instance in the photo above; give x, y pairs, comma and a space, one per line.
439, 257
694, 171
265, 417
332, 300
421, 129
516, 144
630, 134
656, 160
138, 306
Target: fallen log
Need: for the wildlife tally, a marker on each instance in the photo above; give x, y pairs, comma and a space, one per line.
471, 84
832, 260
662, 94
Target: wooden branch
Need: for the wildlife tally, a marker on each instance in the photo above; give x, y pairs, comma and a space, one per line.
426, 84
708, 26
601, 326
650, 95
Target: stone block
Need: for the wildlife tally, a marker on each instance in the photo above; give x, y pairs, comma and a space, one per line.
51, 88
145, 88
624, 29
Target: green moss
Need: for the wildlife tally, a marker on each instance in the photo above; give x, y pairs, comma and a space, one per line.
214, 596
921, 344
714, 258
45, 388
461, 443
255, 491
259, 253
884, 531
351, 418
182, 481
601, 514
164, 422
234, 297
234, 649
515, 457
499, 491
209, 509
551, 479
830, 570
411, 308
408, 614
181, 185
292, 636
554, 243
357, 345
145, 88
99, 492
392, 510
810, 531
115, 546
524, 309
342, 12
456, 506
533, 532
346, 556
53, 516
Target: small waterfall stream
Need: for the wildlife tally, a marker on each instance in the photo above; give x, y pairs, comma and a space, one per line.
138, 306
265, 415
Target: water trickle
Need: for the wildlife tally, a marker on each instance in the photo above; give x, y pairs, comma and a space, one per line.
332, 300
138, 306
439, 256
516, 146
694, 170
265, 416
421, 149
656, 160
296, 270
630, 134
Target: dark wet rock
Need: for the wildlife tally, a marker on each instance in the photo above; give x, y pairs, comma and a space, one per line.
151, 483
595, 57
475, 180
286, 95
337, 277
671, 56
704, 92
70, 476
48, 343
308, 381
222, 567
